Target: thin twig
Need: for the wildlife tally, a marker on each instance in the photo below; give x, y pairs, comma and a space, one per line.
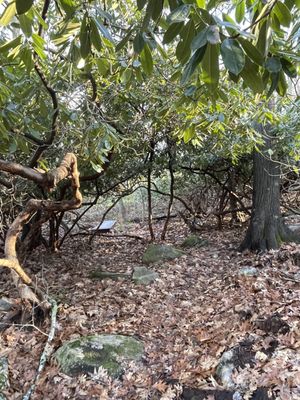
46, 352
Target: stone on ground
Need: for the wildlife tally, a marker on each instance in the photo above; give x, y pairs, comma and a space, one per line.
248, 271
143, 275
4, 382
160, 252
108, 275
88, 353
193, 241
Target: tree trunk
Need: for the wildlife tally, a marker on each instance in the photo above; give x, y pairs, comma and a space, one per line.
267, 229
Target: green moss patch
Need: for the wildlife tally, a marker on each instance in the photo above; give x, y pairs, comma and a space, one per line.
111, 352
160, 252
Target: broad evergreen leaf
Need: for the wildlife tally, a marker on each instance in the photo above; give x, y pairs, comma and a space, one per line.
180, 14
23, 6
200, 39
8, 14
95, 36
282, 13
69, 6
124, 41
210, 66
183, 49
240, 11
282, 84
252, 52
157, 10
233, 56
274, 83
141, 4
172, 32
84, 37
138, 43
251, 76
192, 64
147, 60
11, 44
288, 68
26, 24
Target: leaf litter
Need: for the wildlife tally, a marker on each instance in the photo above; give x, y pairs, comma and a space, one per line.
198, 308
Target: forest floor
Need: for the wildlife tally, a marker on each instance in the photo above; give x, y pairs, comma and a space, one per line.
199, 307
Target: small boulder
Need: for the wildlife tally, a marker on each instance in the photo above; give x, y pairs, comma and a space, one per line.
248, 271
160, 252
108, 275
4, 382
111, 352
193, 241
143, 275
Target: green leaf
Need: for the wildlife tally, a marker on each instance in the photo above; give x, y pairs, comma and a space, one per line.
69, 6
84, 37
233, 56
23, 6
262, 44
26, 57
273, 64
240, 11
252, 52
172, 32
157, 10
274, 83
200, 39
38, 45
138, 43
146, 60
183, 49
251, 77
95, 36
282, 84
103, 66
288, 68
282, 13
8, 14
180, 14
141, 4
192, 64
12, 43
125, 40
26, 24
213, 34
210, 65
103, 30
149, 10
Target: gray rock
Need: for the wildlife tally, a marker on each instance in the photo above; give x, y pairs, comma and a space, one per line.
5, 304
225, 369
193, 241
108, 275
111, 352
248, 271
143, 275
4, 382
160, 252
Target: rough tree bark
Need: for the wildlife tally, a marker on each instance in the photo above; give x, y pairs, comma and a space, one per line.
49, 180
267, 229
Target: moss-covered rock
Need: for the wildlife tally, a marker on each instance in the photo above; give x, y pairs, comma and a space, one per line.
193, 241
160, 252
108, 275
111, 352
143, 275
4, 382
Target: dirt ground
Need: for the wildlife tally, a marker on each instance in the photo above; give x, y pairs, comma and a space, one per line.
199, 307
